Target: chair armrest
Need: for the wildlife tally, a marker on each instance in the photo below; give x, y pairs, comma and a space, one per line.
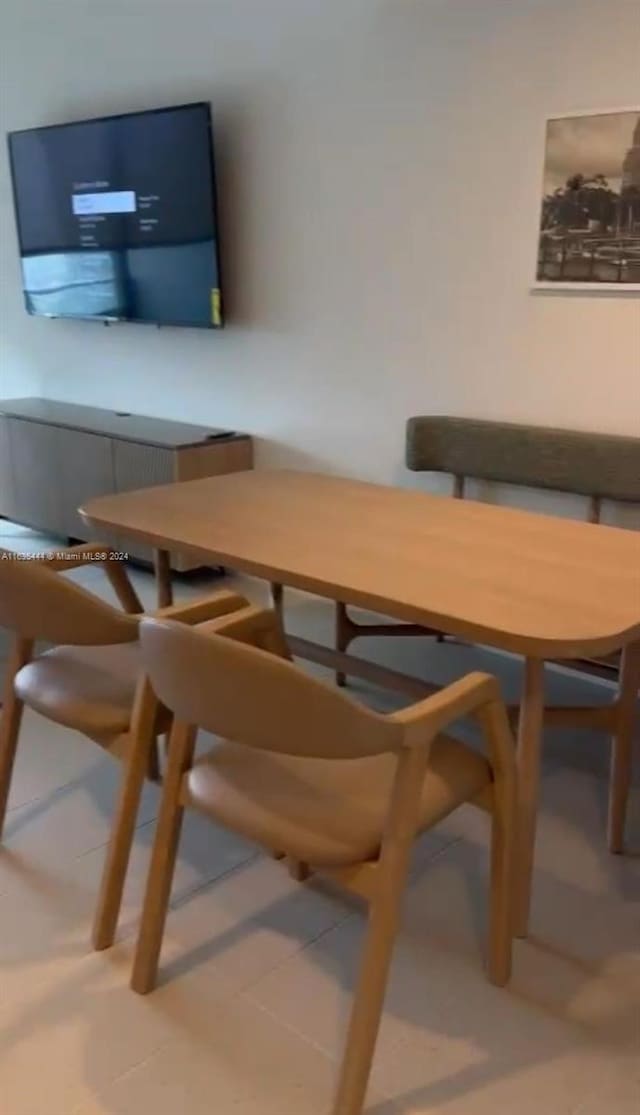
96, 553
476, 694
205, 608
259, 627
424, 720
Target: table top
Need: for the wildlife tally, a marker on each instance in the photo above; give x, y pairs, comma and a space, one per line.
522, 581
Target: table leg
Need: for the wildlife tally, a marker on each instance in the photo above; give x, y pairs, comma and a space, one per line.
530, 734
163, 578
622, 745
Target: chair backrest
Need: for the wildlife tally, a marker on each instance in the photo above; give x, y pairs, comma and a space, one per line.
38, 603
603, 466
250, 696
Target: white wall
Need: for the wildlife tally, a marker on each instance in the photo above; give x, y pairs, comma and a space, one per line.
380, 165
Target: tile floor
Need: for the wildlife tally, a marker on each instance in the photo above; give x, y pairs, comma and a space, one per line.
257, 970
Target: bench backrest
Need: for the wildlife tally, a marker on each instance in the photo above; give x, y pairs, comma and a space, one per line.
602, 466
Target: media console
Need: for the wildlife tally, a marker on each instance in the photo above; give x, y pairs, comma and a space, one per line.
54, 456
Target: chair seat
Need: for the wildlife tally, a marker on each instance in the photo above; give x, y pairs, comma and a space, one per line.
90, 689
324, 812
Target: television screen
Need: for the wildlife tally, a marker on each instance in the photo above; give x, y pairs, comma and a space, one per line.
117, 218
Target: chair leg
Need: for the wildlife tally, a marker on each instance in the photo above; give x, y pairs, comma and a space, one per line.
121, 585
163, 859
384, 919
136, 767
343, 637
622, 746
503, 842
368, 1003
367, 1010
10, 720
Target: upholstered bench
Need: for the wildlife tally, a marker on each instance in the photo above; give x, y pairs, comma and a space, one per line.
596, 466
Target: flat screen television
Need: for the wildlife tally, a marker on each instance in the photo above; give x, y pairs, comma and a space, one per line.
117, 218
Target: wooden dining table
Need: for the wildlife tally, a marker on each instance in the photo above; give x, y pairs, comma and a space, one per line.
541, 587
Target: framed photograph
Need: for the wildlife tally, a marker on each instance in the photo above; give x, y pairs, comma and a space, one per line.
589, 233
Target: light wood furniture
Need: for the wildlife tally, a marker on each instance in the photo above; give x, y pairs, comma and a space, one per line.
54, 456
91, 682
354, 820
539, 586
601, 468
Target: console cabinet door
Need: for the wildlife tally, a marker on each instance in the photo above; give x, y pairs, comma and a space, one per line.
36, 474
7, 500
86, 471
141, 466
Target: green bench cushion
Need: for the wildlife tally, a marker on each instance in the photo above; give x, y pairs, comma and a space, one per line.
602, 465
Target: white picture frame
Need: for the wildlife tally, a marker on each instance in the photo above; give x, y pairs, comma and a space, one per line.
584, 227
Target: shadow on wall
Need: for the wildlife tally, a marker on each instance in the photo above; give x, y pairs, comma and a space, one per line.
253, 248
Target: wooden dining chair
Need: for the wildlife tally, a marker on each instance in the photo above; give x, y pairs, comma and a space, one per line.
308, 773
91, 681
